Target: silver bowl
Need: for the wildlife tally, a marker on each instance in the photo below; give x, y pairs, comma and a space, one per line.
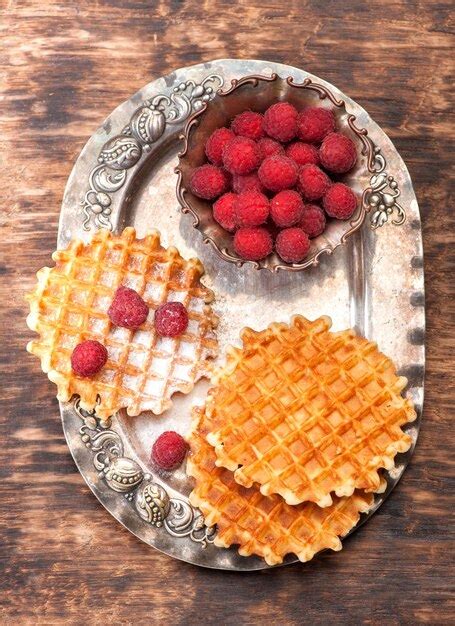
258, 93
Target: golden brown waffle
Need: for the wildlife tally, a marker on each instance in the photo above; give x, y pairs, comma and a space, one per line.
264, 525
70, 304
305, 412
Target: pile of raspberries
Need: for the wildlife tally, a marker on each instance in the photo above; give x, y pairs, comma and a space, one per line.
272, 179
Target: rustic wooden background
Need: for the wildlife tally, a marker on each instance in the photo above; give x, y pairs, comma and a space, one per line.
64, 65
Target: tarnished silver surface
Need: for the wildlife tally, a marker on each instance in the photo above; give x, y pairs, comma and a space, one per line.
374, 283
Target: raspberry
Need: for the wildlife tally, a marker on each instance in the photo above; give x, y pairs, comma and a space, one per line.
169, 450
277, 172
268, 146
313, 182
314, 123
208, 182
339, 201
247, 182
338, 153
253, 244
171, 319
248, 124
280, 121
313, 220
241, 156
128, 309
302, 153
88, 358
251, 209
286, 208
223, 211
215, 144
292, 244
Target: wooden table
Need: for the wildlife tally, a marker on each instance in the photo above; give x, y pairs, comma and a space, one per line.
64, 67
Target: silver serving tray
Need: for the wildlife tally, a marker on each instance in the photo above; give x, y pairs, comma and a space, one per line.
375, 283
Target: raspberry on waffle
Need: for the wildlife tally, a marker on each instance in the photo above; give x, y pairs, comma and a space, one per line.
70, 303
258, 524
305, 412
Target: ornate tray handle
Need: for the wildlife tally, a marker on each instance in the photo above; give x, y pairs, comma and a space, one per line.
125, 476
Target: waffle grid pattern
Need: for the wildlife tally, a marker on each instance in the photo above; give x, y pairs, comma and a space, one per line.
143, 369
305, 412
264, 525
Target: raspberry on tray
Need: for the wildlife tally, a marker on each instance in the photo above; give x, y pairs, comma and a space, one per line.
313, 182
223, 211
88, 358
128, 309
292, 245
241, 155
314, 123
248, 124
339, 201
313, 220
286, 208
338, 153
303, 153
269, 146
251, 208
208, 182
253, 244
215, 144
171, 319
280, 121
278, 172
168, 451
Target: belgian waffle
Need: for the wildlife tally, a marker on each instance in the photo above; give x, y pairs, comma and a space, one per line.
305, 412
264, 525
70, 303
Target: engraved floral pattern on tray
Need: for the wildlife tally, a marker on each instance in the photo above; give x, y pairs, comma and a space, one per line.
123, 151
125, 476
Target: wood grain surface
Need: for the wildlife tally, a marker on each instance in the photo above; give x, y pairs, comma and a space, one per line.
64, 65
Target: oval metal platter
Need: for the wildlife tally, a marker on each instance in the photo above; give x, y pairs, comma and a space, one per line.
125, 176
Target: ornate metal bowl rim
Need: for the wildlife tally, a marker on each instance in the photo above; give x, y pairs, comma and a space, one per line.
375, 164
